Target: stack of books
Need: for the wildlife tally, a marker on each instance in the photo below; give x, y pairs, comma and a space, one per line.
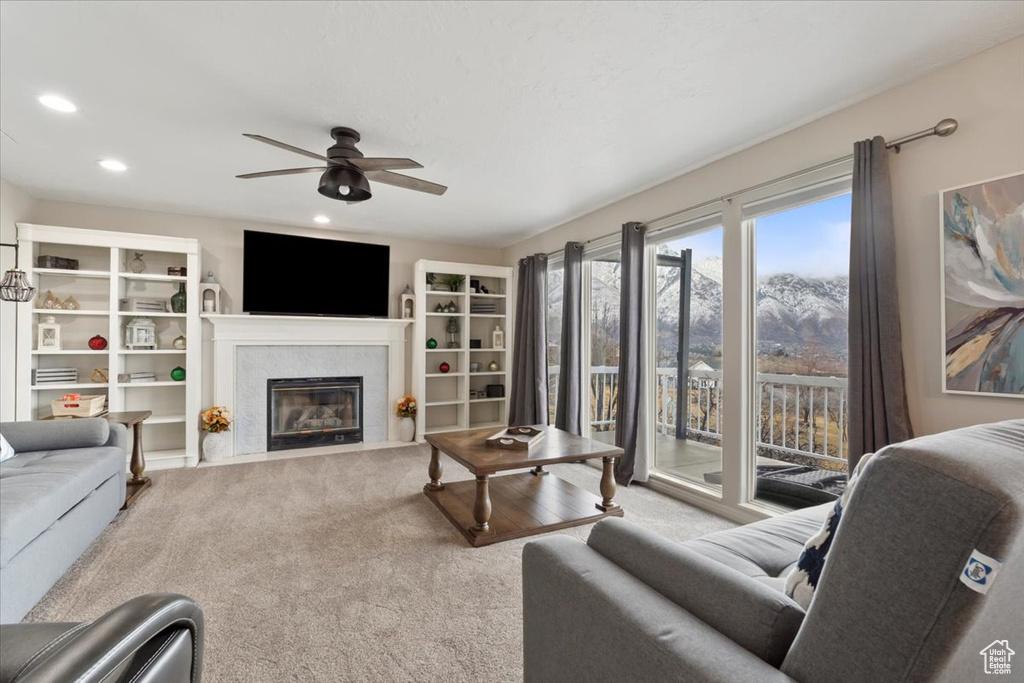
137, 377
55, 376
482, 307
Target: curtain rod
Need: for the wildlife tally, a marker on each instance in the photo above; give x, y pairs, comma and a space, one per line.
943, 128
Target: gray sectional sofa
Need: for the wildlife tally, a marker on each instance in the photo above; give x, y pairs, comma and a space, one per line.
891, 605
66, 483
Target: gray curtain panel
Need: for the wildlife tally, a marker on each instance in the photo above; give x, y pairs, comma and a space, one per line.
631, 322
568, 407
878, 413
528, 398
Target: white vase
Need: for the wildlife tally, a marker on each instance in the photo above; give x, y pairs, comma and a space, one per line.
215, 446
406, 429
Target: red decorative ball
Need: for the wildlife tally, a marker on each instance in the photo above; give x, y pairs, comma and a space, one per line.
444, 367
97, 343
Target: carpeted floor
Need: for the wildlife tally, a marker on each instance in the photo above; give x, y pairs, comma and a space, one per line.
330, 568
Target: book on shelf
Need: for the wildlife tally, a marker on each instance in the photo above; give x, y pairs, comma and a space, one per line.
54, 376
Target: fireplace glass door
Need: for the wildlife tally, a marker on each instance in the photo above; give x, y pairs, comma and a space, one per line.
314, 412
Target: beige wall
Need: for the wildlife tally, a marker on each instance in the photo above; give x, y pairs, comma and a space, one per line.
15, 206
985, 93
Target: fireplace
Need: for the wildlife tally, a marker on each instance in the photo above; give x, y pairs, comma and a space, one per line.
314, 411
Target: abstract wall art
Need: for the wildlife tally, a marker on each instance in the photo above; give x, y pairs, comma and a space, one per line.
983, 287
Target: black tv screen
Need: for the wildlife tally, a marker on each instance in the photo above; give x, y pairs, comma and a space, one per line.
290, 275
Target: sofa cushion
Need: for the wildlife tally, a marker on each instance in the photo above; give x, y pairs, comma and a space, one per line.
55, 435
38, 488
764, 550
707, 589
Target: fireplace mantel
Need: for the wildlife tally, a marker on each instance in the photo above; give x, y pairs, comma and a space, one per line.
223, 334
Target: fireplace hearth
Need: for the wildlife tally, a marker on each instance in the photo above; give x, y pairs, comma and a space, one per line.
314, 411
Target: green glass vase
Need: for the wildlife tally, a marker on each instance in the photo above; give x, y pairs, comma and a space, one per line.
180, 300
178, 374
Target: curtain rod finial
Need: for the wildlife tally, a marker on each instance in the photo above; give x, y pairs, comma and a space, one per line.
946, 127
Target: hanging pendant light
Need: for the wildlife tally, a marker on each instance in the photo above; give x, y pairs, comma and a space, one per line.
346, 183
15, 285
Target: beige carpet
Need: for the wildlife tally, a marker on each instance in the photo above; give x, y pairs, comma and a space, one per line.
329, 568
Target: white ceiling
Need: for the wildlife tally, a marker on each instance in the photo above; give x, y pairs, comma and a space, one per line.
532, 112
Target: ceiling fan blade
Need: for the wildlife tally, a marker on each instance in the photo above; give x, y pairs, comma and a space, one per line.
382, 164
407, 182
286, 146
285, 171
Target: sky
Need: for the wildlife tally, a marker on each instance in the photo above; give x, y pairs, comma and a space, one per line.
811, 240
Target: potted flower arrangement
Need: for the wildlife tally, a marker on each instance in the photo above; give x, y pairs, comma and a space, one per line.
215, 421
406, 411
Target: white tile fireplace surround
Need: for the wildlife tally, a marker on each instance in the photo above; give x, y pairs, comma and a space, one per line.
247, 350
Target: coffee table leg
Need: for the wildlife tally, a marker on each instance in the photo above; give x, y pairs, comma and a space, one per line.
435, 471
608, 486
482, 505
138, 465
538, 471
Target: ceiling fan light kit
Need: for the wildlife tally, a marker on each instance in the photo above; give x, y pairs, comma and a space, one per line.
346, 175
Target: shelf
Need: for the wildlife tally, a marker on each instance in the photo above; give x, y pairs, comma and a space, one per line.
488, 350
69, 352
446, 374
153, 277
432, 293
489, 296
72, 273
64, 387
168, 383
61, 311
164, 420
484, 374
445, 315
486, 315
443, 428
485, 425
151, 352
156, 456
444, 350
455, 402
487, 400
147, 314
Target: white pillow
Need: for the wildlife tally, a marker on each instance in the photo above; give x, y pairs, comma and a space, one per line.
6, 452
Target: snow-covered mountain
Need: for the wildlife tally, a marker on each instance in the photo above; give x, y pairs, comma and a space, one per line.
793, 312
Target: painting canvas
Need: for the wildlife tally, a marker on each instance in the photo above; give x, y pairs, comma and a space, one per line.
983, 287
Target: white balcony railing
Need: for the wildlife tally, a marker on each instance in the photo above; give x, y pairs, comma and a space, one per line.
798, 414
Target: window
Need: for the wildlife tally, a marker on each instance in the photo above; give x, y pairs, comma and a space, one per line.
802, 257
688, 332
604, 285
554, 333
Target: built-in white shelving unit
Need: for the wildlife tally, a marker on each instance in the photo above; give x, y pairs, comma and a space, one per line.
103, 280
444, 398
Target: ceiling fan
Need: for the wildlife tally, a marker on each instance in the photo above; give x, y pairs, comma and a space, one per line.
345, 175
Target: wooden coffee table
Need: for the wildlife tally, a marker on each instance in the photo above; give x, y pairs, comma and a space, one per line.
525, 503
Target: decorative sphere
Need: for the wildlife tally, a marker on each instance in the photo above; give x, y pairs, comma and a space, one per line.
179, 343
431, 343
98, 343
493, 366
178, 374
444, 367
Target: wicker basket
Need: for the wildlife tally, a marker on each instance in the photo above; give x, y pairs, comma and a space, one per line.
73, 405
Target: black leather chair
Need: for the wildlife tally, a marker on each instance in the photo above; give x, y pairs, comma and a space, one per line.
155, 638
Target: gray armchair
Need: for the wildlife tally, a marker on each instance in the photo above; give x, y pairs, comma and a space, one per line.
155, 638
892, 603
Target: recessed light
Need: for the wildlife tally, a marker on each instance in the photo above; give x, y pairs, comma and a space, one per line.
113, 165
58, 103
321, 219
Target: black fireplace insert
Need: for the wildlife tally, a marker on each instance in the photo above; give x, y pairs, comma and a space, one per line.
314, 411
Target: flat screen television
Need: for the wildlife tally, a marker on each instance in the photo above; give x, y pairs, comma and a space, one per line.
291, 275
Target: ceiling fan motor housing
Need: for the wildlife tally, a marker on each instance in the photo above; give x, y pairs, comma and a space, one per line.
343, 175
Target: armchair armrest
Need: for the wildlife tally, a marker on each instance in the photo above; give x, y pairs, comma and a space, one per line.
755, 616
154, 638
53, 435
118, 437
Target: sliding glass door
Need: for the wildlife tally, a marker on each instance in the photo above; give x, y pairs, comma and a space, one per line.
687, 379
604, 281
553, 323
802, 259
